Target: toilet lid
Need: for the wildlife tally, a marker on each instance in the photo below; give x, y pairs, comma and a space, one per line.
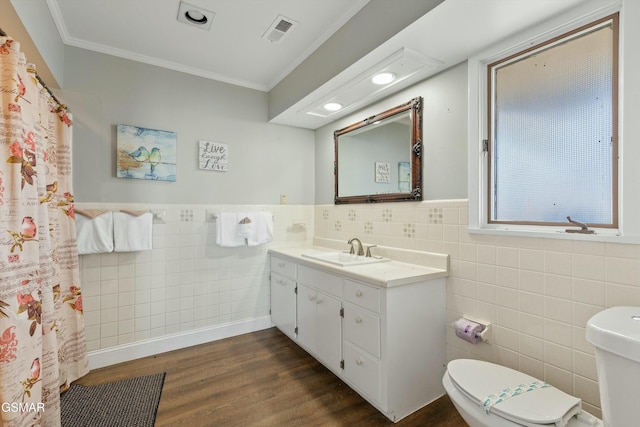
479, 380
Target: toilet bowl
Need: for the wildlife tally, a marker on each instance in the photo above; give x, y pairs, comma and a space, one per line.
490, 395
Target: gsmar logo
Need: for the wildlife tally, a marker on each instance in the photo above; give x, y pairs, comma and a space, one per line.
22, 407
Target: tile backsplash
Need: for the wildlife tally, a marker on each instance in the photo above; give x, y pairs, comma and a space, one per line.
537, 293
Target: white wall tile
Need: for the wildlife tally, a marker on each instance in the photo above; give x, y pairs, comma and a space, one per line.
588, 266
587, 390
133, 296
588, 291
625, 271
585, 365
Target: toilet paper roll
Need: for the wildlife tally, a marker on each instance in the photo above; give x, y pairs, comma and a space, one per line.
468, 330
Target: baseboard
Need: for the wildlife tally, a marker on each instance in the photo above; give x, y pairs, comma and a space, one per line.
123, 353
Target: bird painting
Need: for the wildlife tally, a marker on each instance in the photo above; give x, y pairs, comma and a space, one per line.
141, 154
154, 158
139, 147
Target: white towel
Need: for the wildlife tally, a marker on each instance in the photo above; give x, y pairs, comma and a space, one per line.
262, 228
227, 230
132, 232
245, 225
94, 235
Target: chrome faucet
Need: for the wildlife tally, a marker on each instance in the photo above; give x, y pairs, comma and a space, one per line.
360, 249
369, 250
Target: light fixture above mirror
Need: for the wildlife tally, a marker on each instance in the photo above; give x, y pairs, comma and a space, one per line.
383, 78
332, 106
372, 84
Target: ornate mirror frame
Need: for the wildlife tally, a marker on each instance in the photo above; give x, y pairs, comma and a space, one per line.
414, 145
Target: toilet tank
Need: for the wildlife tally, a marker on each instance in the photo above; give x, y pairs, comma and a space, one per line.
615, 333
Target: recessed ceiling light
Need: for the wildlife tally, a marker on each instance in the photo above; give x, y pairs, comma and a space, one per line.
383, 78
332, 106
196, 17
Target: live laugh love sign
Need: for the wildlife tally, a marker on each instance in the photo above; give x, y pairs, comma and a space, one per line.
213, 156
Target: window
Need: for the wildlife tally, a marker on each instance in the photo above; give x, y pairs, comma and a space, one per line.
552, 145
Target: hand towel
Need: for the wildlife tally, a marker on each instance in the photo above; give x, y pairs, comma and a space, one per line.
132, 233
90, 213
94, 234
245, 225
227, 230
262, 228
134, 213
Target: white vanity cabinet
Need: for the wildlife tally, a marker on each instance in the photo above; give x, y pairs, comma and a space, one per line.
385, 342
362, 337
283, 295
319, 315
319, 328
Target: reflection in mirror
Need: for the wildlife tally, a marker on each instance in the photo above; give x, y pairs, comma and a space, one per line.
379, 158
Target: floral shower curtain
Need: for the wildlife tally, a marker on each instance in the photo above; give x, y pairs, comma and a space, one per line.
42, 346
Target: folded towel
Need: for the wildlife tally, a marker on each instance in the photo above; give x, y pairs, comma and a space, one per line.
227, 230
90, 213
262, 228
132, 233
245, 225
94, 234
134, 213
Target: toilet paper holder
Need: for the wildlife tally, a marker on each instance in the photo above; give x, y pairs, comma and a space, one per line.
485, 334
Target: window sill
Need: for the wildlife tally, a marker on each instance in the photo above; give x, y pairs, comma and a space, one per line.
600, 235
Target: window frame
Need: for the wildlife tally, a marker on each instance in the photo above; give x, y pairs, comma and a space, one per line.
478, 178
612, 20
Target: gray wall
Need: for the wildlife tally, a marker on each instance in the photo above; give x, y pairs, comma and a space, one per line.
444, 134
265, 160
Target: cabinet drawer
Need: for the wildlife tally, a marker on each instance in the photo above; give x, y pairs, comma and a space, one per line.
283, 267
362, 328
325, 282
363, 295
283, 282
363, 371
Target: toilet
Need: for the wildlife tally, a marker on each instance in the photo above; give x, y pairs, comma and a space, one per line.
490, 395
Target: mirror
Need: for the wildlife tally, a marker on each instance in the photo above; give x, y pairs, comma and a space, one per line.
380, 158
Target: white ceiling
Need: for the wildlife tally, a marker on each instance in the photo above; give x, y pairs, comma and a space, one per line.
234, 51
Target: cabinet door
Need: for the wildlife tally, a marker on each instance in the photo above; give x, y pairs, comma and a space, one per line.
329, 330
283, 304
307, 317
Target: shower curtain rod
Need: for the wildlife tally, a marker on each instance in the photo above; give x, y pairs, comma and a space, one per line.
44, 85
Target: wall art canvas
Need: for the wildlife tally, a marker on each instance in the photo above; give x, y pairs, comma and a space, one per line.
146, 153
383, 172
213, 156
404, 177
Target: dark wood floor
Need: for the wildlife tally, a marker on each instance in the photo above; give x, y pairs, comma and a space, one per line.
259, 379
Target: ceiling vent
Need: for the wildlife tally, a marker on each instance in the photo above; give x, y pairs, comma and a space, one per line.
196, 16
280, 28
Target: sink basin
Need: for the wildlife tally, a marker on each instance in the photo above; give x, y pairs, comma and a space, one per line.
343, 259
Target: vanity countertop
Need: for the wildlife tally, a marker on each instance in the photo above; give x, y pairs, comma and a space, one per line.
384, 274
